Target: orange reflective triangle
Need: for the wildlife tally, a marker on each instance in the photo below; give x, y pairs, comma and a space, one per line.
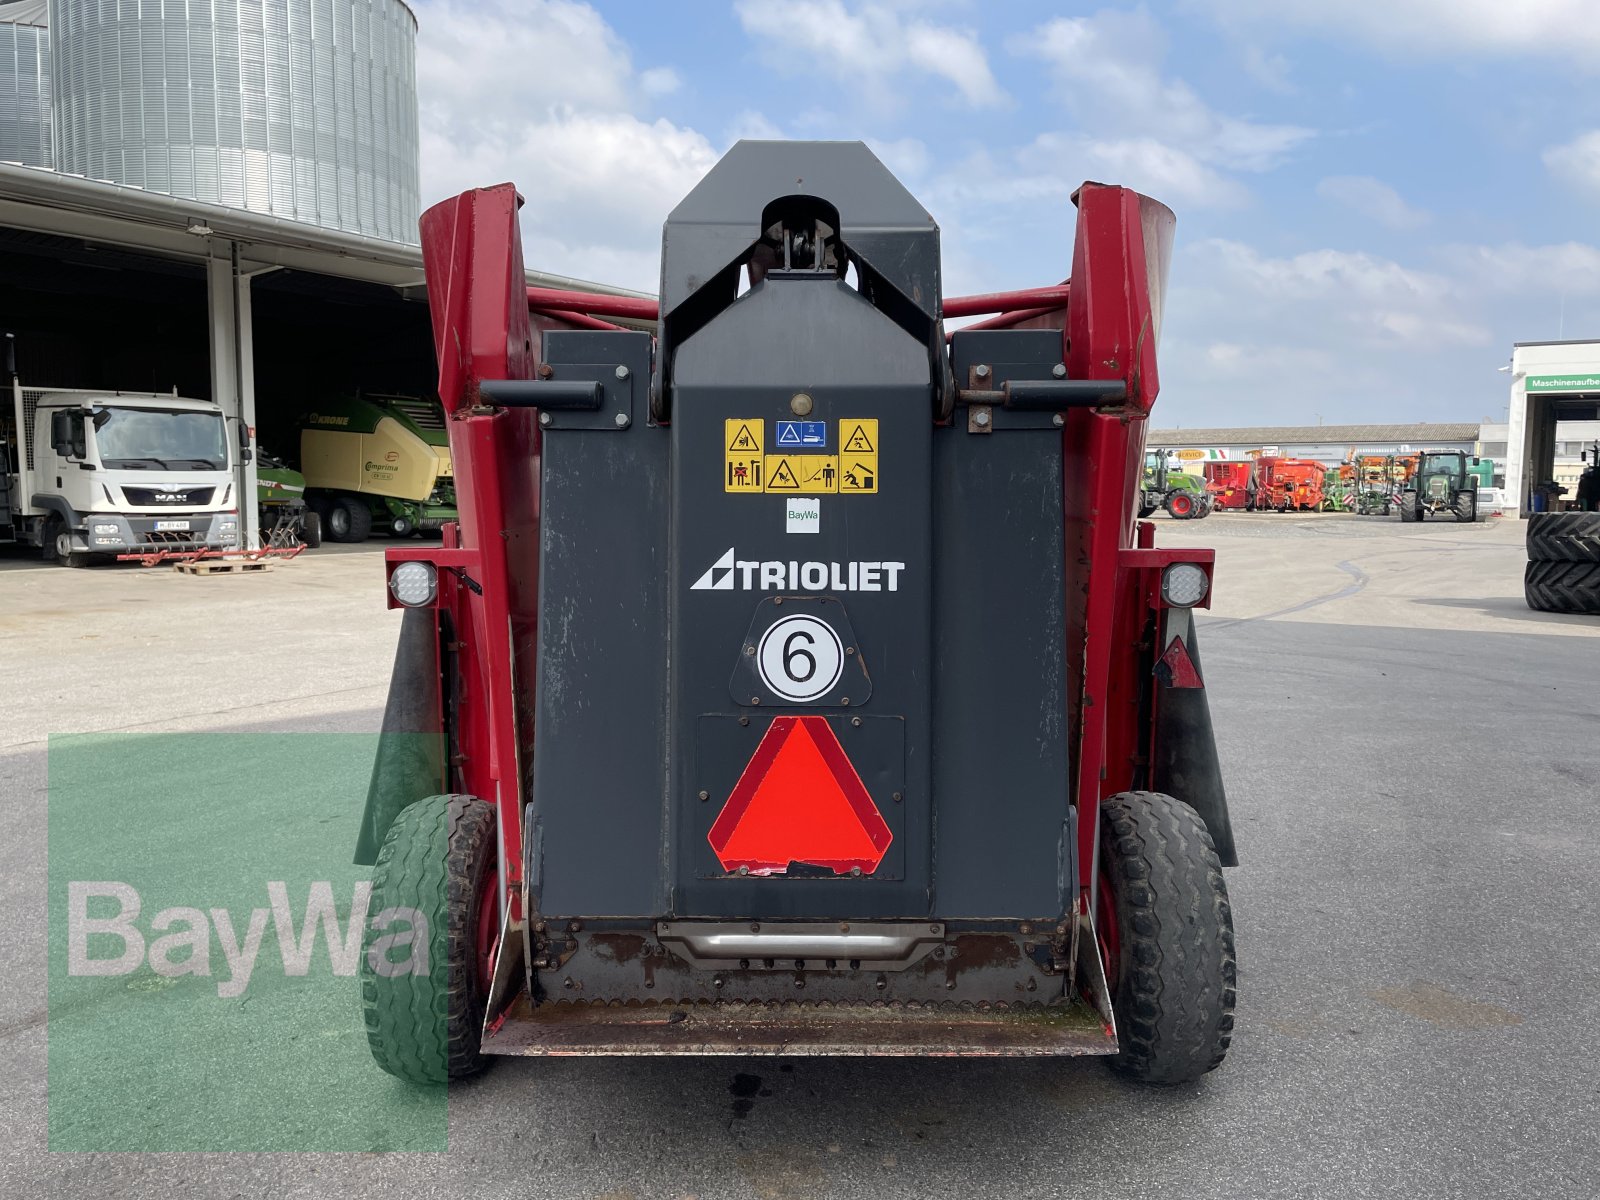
800, 801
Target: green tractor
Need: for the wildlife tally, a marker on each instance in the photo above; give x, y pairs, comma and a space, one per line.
378, 463
286, 519
1445, 482
1183, 496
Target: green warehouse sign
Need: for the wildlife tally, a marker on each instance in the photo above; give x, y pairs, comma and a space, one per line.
1563, 383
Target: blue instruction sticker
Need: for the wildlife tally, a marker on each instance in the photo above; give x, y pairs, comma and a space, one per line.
812, 435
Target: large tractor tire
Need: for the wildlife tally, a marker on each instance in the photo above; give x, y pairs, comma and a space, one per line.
349, 520
1563, 587
438, 860
1564, 537
1180, 505
1410, 508
1466, 508
1166, 931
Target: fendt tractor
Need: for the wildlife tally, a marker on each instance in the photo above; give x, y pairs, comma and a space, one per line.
1443, 483
794, 682
89, 475
285, 518
1185, 497
377, 462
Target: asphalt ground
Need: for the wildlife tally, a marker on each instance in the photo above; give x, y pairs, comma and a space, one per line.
1414, 777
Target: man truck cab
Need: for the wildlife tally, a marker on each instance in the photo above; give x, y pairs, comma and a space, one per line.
100, 473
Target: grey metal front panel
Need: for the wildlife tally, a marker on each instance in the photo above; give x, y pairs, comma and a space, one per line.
305, 109
599, 757
786, 336
25, 95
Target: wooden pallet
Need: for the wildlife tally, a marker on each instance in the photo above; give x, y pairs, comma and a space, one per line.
223, 566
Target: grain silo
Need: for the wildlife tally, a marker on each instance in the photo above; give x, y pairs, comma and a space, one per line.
304, 109
25, 83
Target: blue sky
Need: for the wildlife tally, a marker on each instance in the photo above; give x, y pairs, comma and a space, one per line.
1375, 198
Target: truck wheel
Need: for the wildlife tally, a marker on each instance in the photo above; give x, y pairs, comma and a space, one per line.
1167, 936
1564, 537
349, 520
438, 860
311, 529
64, 554
1466, 507
1563, 587
1180, 506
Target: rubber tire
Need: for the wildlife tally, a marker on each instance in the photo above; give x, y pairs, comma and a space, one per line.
1145, 510
349, 521
1466, 508
69, 557
311, 529
428, 1029
1410, 508
1177, 501
1564, 537
47, 538
1177, 977
402, 527
1563, 587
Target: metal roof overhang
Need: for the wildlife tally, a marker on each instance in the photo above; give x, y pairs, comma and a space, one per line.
45, 201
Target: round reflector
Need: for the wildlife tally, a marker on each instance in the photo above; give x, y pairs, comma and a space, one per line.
1183, 585
413, 584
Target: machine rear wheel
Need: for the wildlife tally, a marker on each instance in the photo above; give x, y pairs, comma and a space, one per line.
311, 529
1165, 909
402, 527
438, 860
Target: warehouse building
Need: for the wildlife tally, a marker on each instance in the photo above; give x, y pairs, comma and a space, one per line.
232, 210
1554, 411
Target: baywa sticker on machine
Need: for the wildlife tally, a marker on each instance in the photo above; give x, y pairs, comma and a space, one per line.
796, 462
207, 932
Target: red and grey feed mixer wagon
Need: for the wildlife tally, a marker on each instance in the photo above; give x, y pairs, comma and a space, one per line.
798, 679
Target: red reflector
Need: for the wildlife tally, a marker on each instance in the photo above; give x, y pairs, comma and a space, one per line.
800, 801
1176, 668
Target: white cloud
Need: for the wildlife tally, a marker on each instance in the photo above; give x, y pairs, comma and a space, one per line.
1156, 168
598, 176
1570, 268
1577, 162
1418, 28
1108, 72
1373, 199
870, 46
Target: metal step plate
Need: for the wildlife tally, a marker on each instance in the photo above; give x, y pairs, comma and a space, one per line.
562, 1028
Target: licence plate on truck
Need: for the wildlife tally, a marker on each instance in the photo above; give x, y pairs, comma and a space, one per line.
172, 525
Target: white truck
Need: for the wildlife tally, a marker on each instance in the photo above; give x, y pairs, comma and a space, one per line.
86, 474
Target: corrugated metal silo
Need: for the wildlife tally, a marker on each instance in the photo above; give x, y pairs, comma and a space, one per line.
305, 109
25, 84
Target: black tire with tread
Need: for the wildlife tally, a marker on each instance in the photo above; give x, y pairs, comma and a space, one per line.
349, 520
1466, 508
1176, 978
428, 1029
1563, 587
1172, 504
311, 529
1410, 508
1564, 537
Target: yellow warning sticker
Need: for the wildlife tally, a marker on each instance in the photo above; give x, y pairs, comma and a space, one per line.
744, 437
858, 436
858, 473
748, 469
745, 473
802, 473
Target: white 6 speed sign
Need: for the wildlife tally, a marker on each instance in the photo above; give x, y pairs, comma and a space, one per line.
800, 658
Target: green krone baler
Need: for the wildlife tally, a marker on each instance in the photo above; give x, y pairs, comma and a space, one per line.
377, 462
